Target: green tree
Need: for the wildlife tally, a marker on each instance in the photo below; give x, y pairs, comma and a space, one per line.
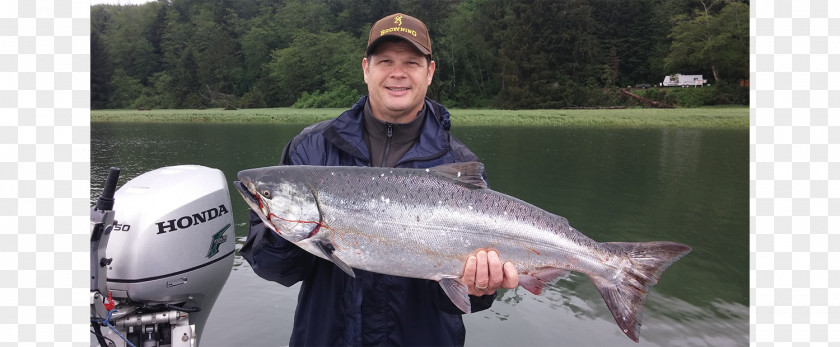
125, 37
317, 62
356, 17
215, 50
186, 82
465, 55
489, 53
716, 42
101, 71
634, 38
548, 54
263, 34
126, 89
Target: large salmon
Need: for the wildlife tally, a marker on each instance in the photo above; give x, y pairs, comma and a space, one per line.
425, 223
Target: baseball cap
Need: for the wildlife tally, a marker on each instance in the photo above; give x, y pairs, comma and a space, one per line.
402, 26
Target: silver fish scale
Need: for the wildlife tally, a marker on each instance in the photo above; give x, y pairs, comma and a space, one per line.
425, 226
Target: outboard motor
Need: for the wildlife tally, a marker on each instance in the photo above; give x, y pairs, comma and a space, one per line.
168, 251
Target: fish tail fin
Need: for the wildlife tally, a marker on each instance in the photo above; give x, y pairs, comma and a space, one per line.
626, 296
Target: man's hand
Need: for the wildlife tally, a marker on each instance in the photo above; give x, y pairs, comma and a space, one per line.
484, 273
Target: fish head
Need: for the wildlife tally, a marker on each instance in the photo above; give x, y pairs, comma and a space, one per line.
285, 204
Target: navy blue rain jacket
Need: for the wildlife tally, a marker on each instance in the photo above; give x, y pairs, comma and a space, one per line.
372, 309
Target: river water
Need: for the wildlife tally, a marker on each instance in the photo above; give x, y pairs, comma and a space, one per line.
683, 185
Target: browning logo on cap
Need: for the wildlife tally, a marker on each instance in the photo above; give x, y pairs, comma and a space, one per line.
402, 26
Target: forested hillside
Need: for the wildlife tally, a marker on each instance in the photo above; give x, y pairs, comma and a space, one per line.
489, 53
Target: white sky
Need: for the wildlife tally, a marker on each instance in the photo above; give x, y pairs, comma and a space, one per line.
119, 2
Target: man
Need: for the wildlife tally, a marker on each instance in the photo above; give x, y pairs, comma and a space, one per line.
393, 126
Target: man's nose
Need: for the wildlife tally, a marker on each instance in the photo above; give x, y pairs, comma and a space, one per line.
398, 72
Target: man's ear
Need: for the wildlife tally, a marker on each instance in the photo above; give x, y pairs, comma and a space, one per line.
364, 68
431, 72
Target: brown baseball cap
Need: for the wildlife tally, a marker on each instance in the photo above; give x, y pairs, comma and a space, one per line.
402, 26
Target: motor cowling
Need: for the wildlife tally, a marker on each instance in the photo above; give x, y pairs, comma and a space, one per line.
174, 240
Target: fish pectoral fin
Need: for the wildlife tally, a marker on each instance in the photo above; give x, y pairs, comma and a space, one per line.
329, 252
457, 293
469, 173
534, 281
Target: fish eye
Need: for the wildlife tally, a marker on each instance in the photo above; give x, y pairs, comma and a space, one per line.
266, 193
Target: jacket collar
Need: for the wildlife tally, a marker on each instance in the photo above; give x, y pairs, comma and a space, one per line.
347, 132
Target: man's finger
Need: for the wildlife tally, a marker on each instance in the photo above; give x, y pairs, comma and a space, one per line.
469, 272
495, 268
481, 272
511, 276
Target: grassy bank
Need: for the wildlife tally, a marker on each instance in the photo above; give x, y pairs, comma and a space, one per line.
711, 117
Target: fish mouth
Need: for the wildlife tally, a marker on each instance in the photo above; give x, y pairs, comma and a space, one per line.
245, 188
248, 190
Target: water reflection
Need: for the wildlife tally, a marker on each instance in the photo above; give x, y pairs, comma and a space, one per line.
680, 150
573, 312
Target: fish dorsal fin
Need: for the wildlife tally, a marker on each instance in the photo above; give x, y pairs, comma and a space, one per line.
470, 173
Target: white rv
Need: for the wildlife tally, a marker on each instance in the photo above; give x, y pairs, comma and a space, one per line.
684, 81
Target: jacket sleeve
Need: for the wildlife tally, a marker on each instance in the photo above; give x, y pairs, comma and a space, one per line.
271, 256
481, 303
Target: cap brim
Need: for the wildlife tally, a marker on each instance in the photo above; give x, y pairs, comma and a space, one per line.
372, 46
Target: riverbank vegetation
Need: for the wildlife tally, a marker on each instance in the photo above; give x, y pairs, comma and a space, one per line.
707, 117
501, 54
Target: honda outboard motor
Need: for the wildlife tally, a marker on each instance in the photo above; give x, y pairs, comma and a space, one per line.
167, 256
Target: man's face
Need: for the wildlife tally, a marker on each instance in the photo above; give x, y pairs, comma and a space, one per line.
397, 77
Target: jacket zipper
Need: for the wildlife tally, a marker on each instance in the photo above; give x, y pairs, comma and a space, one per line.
390, 133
